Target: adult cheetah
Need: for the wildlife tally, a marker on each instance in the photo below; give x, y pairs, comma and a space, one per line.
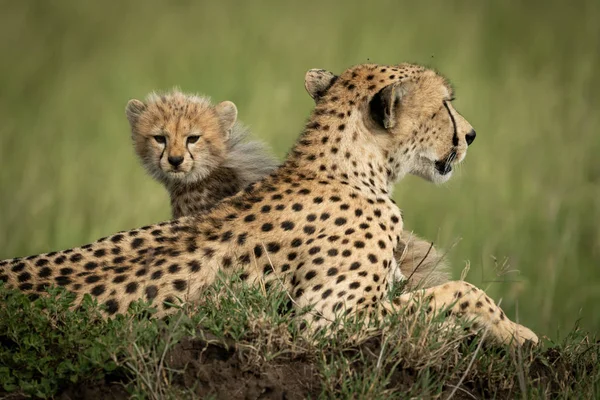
201, 155
323, 225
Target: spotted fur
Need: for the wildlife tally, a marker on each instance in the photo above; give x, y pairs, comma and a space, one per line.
220, 163
323, 225
198, 151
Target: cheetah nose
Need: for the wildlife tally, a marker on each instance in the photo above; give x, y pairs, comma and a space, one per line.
175, 161
470, 137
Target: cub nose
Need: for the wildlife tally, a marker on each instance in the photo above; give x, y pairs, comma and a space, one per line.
175, 161
470, 137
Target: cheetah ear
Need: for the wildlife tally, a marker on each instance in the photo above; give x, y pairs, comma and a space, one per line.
317, 82
227, 113
134, 109
384, 104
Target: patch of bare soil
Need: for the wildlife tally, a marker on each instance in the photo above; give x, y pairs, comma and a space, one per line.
104, 389
213, 368
218, 369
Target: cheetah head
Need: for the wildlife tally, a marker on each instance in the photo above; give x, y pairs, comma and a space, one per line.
405, 109
180, 138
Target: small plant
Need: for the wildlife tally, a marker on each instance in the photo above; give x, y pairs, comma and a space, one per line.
44, 346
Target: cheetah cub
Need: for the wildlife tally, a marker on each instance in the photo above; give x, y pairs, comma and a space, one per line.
198, 151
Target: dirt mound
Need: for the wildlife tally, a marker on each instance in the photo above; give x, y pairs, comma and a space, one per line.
222, 369
217, 369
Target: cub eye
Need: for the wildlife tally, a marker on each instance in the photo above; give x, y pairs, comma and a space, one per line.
160, 139
193, 139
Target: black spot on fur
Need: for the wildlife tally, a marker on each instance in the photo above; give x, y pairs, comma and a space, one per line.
92, 279
267, 227
136, 243
194, 266
45, 272
156, 275
62, 280
180, 285
131, 287
208, 252
98, 290
273, 247
241, 239
151, 292
310, 274
309, 229
340, 221
314, 250
267, 269
18, 267
24, 277
112, 306
287, 225
359, 244
41, 262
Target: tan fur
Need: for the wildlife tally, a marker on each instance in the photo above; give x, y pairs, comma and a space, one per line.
243, 162
421, 263
219, 164
323, 226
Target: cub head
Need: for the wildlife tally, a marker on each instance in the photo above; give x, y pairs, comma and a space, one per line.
180, 138
406, 110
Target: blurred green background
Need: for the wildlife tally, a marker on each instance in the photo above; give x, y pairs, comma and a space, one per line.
523, 211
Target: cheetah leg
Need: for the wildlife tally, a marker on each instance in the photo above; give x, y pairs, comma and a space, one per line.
467, 301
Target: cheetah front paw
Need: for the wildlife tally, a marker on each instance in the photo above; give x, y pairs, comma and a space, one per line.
522, 334
509, 332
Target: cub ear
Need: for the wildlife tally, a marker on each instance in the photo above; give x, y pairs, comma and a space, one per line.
227, 113
318, 81
134, 109
383, 106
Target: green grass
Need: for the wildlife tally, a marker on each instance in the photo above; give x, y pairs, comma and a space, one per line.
240, 338
526, 76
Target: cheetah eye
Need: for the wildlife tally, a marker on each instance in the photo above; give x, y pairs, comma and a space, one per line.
192, 139
160, 139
